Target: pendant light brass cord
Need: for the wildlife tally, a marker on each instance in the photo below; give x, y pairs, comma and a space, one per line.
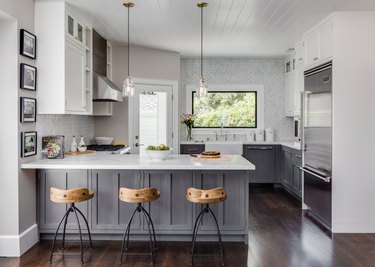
202, 42
202, 5
128, 41
128, 5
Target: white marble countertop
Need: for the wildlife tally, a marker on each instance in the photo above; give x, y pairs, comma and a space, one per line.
290, 144
108, 161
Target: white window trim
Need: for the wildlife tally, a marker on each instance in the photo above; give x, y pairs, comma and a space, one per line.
259, 88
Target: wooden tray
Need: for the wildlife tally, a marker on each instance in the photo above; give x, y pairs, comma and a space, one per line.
80, 153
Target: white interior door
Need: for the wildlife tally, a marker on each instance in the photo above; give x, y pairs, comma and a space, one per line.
153, 120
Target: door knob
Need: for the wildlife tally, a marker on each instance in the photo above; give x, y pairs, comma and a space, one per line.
137, 144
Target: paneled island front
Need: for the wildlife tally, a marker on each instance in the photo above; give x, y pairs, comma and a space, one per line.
172, 214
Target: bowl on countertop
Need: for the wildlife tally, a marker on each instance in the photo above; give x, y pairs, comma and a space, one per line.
101, 140
158, 155
82, 148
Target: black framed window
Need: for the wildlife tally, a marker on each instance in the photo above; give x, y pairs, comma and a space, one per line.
228, 109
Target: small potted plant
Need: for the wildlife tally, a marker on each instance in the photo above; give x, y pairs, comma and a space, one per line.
188, 120
82, 148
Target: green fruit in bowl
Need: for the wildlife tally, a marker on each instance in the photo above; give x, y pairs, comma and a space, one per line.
159, 147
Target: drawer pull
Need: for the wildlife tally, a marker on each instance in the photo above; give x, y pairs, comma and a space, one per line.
315, 58
261, 148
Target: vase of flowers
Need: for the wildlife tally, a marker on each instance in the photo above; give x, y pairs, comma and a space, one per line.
188, 121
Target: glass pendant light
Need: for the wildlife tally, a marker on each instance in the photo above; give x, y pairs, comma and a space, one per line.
128, 86
202, 88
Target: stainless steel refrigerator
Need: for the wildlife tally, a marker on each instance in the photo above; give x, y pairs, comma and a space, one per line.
317, 143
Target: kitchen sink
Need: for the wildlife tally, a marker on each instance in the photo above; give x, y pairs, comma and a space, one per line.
225, 147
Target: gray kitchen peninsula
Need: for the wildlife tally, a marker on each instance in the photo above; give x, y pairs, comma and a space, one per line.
172, 214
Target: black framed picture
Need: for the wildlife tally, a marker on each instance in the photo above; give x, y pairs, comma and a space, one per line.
28, 109
28, 44
28, 144
28, 77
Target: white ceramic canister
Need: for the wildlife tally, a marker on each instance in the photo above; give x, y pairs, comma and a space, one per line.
270, 134
259, 135
250, 136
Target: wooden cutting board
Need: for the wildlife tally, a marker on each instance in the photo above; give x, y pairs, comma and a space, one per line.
80, 153
221, 158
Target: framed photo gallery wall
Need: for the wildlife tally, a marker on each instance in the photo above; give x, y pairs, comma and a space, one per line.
27, 44
28, 144
28, 81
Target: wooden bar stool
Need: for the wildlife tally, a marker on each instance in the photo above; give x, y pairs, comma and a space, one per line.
139, 196
70, 196
206, 197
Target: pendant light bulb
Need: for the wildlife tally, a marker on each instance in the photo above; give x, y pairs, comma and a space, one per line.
202, 88
128, 85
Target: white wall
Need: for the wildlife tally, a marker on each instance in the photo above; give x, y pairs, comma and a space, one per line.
17, 231
144, 63
353, 182
9, 131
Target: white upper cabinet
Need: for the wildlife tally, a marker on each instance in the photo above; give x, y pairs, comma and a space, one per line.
299, 87
290, 83
318, 45
64, 60
300, 53
311, 49
325, 41
75, 98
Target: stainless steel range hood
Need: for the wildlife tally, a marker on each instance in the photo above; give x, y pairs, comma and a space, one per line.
105, 90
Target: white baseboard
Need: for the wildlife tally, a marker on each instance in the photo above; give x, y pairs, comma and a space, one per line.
353, 228
16, 245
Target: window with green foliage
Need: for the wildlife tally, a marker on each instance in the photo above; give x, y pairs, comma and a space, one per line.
229, 109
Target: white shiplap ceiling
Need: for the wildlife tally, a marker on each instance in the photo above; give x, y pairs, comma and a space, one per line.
233, 28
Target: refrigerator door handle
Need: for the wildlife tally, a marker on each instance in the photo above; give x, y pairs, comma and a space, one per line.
325, 179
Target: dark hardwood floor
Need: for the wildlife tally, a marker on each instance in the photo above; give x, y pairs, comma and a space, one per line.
279, 235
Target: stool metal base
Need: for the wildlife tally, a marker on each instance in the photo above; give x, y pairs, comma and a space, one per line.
197, 224
54, 248
151, 231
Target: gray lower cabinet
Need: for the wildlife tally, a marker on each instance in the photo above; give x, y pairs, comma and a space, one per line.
231, 213
109, 214
264, 158
50, 213
287, 168
192, 148
171, 211
291, 176
172, 214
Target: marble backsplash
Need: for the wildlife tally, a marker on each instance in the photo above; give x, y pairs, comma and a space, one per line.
67, 125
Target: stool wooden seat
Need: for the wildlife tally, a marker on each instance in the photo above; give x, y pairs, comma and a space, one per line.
207, 197
139, 196
71, 196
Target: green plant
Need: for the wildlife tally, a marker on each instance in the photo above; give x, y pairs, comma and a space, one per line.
159, 147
